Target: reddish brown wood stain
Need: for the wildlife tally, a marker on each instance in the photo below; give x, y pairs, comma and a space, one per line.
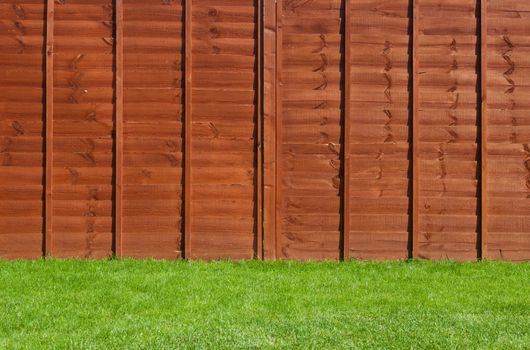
379, 133
153, 85
448, 118
508, 134
296, 129
224, 128
83, 142
22, 125
309, 139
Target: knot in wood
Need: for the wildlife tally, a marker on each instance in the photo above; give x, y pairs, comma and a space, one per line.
19, 11
213, 12
214, 32
526, 163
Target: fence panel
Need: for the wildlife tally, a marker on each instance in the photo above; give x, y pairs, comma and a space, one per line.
153, 110
82, 138
289, 129
448, 114
508, 116
224, 119
22, 28
379, 129
309, 115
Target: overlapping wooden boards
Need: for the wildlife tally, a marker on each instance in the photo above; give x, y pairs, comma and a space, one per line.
153, 132
223, 129
309, 129
447, 118
22, 29
83, 129
508, 117
200, 63
379, 130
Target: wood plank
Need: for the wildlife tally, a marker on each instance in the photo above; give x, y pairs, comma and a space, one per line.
415, 131
269, 132
48, 238
187, 128
310, 245
118, 202
259, 125
278, 126
483, 129
346, 133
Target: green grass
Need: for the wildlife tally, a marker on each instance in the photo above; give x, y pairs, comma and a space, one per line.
222, 305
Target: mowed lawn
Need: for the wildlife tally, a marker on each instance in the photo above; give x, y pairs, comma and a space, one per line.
255, 305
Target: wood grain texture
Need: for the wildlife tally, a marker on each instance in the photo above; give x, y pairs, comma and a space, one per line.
448, 116
483, 128
269, 130
241, 129
188, 95
415, 212
22, 127
278, 128
309, 111
346, 134
118, 120
378, 135
87, 230
508, 125
153, 130
259, 130
48, 194
224, 182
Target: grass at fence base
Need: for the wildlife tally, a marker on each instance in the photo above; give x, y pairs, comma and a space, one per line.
168, 305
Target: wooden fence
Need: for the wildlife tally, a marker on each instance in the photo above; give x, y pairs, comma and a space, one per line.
296, 129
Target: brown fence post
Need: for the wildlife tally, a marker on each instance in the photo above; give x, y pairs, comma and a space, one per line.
483, 128
187, 131
48, 206
119, 131
259, 140
269, 130
346, 134
278, 126
415, 130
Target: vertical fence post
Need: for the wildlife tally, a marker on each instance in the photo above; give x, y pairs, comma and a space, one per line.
483, 129
118, 212
259, 119
346, 134
278, 125
415, 130
48, 192
187, 129
269, 129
